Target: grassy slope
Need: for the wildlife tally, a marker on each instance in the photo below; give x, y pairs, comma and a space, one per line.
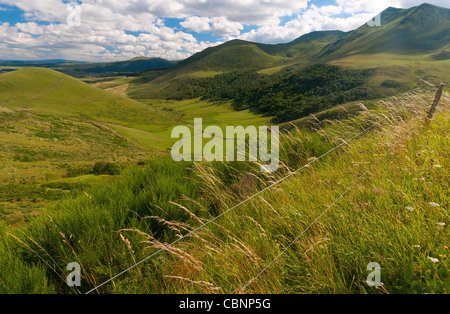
51, 93
418, 30
405, 47
37, 149
407, 70
52, 124
370, 224
231, 56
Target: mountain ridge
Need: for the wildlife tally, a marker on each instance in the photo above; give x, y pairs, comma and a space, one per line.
422, 30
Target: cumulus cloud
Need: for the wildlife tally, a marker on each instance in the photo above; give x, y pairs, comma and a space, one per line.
106, 32
197, 24
44, 10
218, 26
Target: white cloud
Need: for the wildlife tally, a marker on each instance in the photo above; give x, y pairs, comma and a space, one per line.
313, 19
219, 26
44, 10
197, 24
102, 35
257, 12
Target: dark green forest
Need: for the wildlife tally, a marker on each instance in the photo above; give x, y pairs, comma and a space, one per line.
285, 97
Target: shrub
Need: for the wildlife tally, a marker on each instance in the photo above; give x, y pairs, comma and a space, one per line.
390, 84
102, 167
80, 170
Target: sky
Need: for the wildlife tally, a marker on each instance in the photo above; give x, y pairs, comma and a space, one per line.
113, 30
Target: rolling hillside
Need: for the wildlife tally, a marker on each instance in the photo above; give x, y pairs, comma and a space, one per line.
49, 92
59, 135
420, 30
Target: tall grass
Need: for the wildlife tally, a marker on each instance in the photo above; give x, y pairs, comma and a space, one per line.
386, 218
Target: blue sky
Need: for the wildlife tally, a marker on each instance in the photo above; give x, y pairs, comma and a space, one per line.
105, 30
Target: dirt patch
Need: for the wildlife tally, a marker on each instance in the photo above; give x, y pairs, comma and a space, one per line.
119, 90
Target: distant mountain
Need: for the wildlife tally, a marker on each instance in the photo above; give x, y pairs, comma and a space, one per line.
419, 30
36, 62
83, 69
235, 55
134, 65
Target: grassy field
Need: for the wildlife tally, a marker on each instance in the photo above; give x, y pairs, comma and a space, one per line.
396, 214
54, 128
58, 95
38, 149
401, 67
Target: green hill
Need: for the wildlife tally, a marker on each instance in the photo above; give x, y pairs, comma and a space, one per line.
419, 30
53, 93
237, 55
233, 55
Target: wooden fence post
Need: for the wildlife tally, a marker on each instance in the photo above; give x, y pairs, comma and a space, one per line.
437, 98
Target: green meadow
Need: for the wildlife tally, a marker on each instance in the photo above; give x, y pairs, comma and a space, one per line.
54, 128
392, 186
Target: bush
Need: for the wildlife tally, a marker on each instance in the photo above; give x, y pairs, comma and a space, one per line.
390, 84
103, 167
18, 277
80, 170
